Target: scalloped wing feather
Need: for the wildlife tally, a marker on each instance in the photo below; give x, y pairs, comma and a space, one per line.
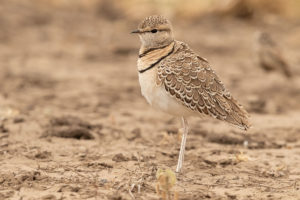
189, 78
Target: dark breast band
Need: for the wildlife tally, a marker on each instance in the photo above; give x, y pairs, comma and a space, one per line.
158, 61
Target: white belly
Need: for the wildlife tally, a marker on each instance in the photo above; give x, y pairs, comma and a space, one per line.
158, 97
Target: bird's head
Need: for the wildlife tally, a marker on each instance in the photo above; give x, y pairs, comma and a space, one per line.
154, 32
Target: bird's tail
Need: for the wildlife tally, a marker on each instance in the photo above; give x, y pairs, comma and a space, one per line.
238, 116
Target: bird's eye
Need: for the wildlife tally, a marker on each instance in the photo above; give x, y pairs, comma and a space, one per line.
153, 30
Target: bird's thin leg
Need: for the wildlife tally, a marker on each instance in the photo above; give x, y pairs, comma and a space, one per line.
182, 146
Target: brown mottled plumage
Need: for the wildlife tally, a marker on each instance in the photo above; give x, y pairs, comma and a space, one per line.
190, 79
176, 80
270, 56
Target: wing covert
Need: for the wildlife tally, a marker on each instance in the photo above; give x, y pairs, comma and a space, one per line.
190, 79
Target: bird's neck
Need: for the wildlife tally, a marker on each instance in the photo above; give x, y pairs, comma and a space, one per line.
149, 56
147, 47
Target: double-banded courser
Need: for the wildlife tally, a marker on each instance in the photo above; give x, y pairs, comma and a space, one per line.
270, 56
174, 79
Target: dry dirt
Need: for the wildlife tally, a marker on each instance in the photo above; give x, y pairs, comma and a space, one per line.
75, 126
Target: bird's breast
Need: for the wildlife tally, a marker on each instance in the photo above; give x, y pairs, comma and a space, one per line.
157, 96
147, 81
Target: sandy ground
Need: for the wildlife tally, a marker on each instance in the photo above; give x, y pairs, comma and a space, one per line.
75, 126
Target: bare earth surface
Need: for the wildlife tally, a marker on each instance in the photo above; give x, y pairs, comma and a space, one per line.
75, 126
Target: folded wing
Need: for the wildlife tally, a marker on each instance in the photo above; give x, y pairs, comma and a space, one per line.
189, 78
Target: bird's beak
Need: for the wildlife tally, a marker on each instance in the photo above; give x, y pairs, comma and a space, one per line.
136, 31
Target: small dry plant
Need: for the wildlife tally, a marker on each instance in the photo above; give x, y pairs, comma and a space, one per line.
241, 157
166, 180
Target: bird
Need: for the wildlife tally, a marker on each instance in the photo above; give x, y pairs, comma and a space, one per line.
269, 55
177, 81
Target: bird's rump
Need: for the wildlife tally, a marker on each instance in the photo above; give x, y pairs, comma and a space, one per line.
189, 79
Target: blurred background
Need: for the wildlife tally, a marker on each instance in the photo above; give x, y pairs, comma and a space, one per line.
42, 39
68, 70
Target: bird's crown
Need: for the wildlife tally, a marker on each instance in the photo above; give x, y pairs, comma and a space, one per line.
154, 21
